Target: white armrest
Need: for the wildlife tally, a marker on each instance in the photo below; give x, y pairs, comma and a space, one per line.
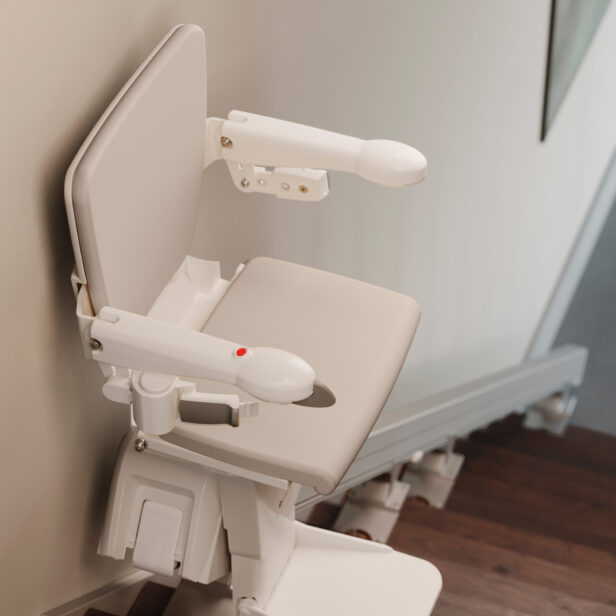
130, 340
249, 139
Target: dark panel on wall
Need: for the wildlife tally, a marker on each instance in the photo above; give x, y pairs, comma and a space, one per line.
572, 27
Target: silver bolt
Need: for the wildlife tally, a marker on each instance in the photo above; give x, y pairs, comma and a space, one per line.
95, 344
261, 182
140, 444
285, 186
244, 183
225, 142
303, 189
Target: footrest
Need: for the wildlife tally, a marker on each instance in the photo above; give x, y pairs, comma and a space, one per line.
333, 574
330, 574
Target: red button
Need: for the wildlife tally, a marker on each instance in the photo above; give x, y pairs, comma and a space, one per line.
241, 351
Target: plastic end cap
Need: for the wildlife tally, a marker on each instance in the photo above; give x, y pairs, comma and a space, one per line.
275, 375
391, 163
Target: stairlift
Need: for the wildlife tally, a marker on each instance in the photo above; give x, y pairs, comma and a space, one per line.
242, 390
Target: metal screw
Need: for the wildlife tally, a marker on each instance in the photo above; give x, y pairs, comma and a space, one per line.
303, 189
95, 344
285, 186
225, 142
261, 182
244, 183
140, 444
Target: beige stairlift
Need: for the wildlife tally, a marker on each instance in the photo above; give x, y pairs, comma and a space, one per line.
240, 391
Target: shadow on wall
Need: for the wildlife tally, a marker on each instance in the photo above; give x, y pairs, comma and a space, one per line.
81, 410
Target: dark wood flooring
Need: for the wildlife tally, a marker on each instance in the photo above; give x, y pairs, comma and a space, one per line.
529, 529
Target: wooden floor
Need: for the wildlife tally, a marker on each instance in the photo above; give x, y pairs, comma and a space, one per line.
530, 528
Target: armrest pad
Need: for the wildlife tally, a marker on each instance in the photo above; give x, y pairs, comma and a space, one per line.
257, 139
139, 342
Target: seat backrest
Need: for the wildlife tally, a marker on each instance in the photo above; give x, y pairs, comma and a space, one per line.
132, 191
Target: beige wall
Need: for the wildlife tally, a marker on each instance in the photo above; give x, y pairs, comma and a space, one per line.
479, 244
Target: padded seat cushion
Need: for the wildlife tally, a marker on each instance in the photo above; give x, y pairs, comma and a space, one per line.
356, 337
